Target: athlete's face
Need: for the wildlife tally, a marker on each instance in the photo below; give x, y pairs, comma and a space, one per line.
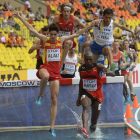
116, 46
46, 33
107, 18
126, 45
88, 61
66, 13
72, 51
53, 36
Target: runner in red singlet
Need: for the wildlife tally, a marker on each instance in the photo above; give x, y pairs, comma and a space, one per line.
90, 91
39, 46
50, 71
66, 23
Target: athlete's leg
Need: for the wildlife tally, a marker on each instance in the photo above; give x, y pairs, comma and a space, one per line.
107, 51
125, 91
54, 88
130, 84
66, 46
96, 107
95, 56
43, 73
85, 102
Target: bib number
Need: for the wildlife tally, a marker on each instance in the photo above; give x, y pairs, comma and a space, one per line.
70, 69
62, 33
53, 55
90, 85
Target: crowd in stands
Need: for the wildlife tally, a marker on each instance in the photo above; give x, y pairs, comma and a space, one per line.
86, 11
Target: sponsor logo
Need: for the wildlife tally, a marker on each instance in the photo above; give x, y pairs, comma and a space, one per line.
13, 75
19, 83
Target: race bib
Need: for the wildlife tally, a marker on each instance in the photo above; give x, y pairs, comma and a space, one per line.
103, 35
69, 68
63, 33
101, 58
41, 52
53, 54
90, 85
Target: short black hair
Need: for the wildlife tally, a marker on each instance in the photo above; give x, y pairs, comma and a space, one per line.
108, 11
45, 28
54, 27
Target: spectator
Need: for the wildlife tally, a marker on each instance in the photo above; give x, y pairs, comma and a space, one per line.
28, 3
20, 42
9, 6
87, 4
77, 13
132, 12
118, 34
82, 19
138, 8
132, 29
38, 17
122, 20
72, 2
59, 6
52, 15
57, 12
2, 38
23, 15
11, 42
1, 10
41, 12
4, 21
93, 3
88, 17
5, 7
124, 32
11, 34
118, 2
114, 14
19, 10
90, 10
31, 15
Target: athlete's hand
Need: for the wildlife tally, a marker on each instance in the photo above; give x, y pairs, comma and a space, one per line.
16, 14
82, 61
63, 72
134, 65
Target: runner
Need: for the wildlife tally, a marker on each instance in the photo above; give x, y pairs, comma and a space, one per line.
90, 91
66, 22
50, 71
36, 46
103, 36
70, 64
131, 68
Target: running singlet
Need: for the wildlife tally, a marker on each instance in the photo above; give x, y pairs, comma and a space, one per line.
70, 64
117, 59
52, 54
90, 81
103, 35
66, 28
40, 50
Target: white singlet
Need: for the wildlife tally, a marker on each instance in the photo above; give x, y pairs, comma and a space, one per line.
103, 35
70, 64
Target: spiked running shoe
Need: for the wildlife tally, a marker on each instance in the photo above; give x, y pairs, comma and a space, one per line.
82, 131
52, 132
132, 96
128, 97
39, 100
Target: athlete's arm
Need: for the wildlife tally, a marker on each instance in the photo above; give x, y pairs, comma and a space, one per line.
123, 59
101, 67
35, 46
115, 24
78, 33
56, 19
77, 21
30, 27
136, 58
131, 59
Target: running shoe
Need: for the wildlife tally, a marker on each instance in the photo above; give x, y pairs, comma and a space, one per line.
126, 101
132, 96
128, 97
39, 100
82, 131
112, 67
92, 128
52, 132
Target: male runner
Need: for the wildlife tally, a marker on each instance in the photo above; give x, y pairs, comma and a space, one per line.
50, 71
103, 36
70, 64
36, 46
90, 91
131, 68
66, 22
